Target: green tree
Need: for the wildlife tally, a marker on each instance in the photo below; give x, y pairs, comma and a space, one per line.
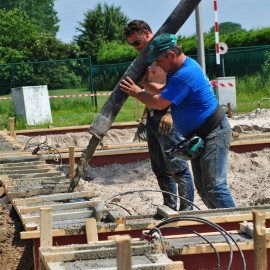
18, 46
116, 52
41, 11
29, 45
101, 25
227, 27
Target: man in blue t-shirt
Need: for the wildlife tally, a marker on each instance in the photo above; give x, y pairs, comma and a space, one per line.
161, 134
195, 111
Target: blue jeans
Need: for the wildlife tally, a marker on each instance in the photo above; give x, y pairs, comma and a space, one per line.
168, 169
210, 168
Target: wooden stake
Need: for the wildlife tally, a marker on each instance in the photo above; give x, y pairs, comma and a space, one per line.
91, 230
11, 127
259, 236
177, 266
229, 110
71, 162
45, 227
123, 243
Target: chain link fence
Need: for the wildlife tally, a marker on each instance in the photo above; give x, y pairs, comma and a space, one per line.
80, 73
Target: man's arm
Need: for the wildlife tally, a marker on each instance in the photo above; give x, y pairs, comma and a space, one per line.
150, 85
154, 101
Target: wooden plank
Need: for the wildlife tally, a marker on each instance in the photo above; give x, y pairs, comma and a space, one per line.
108, 147
123, 245
54, 197
45, 227
220, 247
71, 129
30, 193
259, 235
251, 136
113, 153
17, 173
57, 207
36, 234
34, 175
49, 180
91, 230
65, 215
90, 251
22, 154
45, 185
250, 142
176, 266
35, 164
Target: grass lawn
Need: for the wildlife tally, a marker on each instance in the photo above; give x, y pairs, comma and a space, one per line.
82, 110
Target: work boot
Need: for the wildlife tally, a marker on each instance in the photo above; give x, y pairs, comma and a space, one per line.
185, 206
170, 201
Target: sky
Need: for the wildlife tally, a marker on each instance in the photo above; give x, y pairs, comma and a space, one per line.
251, 14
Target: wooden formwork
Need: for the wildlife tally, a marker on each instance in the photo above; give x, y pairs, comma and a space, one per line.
104, 256
169, 252
119, 252
32, 185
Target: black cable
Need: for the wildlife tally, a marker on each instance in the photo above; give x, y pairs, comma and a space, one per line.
43, 146
204, 238
174, 219
217, 227
121, 207
151, 190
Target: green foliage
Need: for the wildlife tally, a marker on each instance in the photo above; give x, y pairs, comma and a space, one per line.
101, 25
42, 12
233, 38
107, 76
16, 47
226, 28
266, 69
105, 80
116, 52
250, 90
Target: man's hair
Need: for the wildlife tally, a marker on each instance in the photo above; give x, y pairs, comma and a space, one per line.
136, 26
176, 49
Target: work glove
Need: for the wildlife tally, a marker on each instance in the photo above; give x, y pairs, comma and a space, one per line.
141, 131
165, 124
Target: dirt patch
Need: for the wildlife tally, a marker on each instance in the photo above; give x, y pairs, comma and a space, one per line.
14, 252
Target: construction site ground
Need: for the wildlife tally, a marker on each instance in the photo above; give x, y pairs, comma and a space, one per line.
248, 180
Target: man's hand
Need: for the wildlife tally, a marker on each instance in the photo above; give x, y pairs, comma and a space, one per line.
141, 131
128, 86
166, 123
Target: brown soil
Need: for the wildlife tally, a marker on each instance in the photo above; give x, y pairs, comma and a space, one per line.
14, 252
248, 180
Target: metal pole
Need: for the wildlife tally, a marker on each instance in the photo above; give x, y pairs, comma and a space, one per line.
200, 40
218, 70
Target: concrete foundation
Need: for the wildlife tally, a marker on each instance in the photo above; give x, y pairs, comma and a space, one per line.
32, 103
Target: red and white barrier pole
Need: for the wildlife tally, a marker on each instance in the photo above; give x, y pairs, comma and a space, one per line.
219, 72
216, 34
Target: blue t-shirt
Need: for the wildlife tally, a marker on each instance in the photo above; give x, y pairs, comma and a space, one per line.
191, 95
